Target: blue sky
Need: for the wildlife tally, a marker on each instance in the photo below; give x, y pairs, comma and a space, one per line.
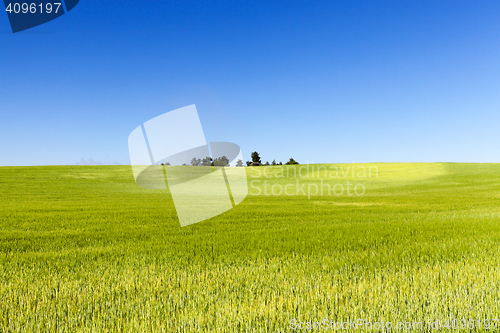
319, 81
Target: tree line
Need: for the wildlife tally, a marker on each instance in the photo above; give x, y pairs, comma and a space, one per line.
256, 161
224, 161
207, 161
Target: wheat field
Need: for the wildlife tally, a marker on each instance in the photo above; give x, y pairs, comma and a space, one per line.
83, 249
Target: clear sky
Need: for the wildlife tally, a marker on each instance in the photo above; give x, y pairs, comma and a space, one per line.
319, 81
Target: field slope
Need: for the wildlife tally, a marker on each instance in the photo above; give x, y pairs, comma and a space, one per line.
82, 248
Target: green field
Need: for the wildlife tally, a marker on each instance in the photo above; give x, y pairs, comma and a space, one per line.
83, 249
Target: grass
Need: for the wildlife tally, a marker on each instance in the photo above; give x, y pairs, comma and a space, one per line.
83, 249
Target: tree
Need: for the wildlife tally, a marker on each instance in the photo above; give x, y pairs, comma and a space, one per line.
207, 161
248, 163
221, 161
273, 162
267, 163
291, 161
281, 163
256, 158
239, 163
167, 163
195, 161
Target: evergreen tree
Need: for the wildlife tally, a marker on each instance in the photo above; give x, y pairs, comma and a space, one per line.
256, 158
291, 161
